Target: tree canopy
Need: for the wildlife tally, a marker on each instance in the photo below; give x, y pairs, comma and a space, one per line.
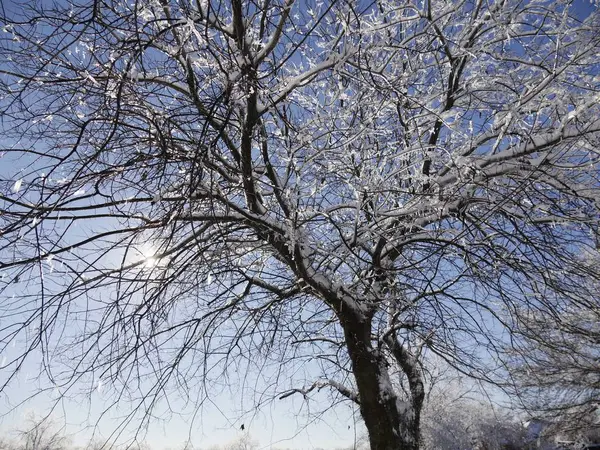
307, 194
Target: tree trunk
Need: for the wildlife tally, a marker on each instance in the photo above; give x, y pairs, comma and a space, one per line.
391, 423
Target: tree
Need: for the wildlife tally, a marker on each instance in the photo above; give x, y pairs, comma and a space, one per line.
243, 442
42, 434
6, 445
455, 417
555, 366
202, 188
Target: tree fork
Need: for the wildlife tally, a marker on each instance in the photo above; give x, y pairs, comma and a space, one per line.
388, 427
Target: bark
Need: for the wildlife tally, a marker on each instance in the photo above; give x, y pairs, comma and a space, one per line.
391, 424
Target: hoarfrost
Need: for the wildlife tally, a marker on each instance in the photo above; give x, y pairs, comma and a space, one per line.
17, 186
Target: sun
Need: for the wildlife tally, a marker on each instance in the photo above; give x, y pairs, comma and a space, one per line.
148, 252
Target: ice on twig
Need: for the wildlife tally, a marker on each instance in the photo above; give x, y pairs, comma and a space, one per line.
17, 186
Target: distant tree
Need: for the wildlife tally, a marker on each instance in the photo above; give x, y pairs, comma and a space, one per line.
555, 365
96, 444
6, 444
316, 195
42, 434
456, 417
243, 442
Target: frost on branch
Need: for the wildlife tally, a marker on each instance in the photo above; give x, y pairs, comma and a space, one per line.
311, 191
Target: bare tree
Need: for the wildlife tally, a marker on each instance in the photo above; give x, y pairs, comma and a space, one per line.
5, 444
243, 442
457, 417
554, 365
192, 190
42, 434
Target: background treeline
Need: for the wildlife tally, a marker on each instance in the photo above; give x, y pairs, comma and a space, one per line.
450, 422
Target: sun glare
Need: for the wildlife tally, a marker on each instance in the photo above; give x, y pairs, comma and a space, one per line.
149, 256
